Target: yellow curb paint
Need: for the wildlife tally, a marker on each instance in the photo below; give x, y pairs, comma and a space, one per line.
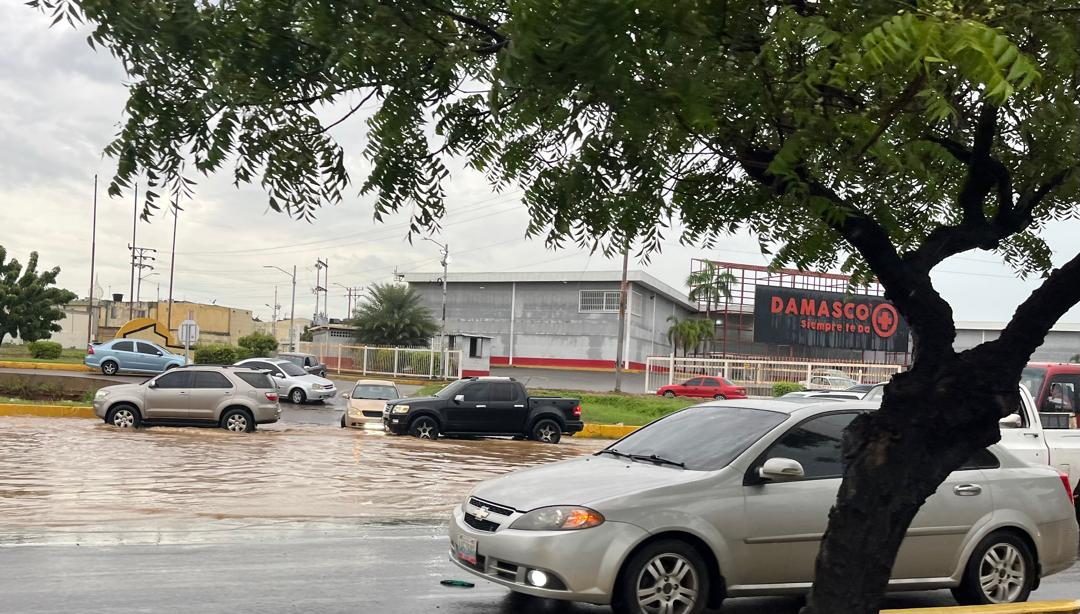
606, 431
1038, 607
44, 366
46, 411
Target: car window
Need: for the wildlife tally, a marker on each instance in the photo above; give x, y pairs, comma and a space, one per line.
257, 380
1062, 395
309, 362
146, 348
875, 393
503, 391
452, 389
124, 346
375, 392
173, 380
478, 392
711, 383
693, 382
296, 360
291, 369
815, 444
820, 381
1032, 378
983, 459
211, 379
704, 438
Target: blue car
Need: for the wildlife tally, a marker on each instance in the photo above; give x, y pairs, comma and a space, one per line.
131, 355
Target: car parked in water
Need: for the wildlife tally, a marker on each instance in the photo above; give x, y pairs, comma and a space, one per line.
293, 383
731, 499
366, 402
704, 388
235, 399
131, 356
307, 362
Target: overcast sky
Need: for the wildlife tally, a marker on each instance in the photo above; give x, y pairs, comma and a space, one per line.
60, 103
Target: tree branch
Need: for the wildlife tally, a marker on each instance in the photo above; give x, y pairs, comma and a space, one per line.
894, 109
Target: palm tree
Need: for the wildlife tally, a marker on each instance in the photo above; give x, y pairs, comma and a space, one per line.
689, 333
711, 284
391, 314
676, 334
1075, 358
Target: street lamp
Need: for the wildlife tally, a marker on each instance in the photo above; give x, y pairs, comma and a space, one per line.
292, 309
138, 288
349, 293
445, 251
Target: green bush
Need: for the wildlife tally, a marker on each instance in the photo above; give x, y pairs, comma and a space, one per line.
779, 389
260, 344
49, 350
220, 354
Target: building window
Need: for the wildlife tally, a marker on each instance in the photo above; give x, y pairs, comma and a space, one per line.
637, 300
598, 301
475, 346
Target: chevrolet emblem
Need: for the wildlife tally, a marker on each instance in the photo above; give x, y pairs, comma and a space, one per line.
482, 513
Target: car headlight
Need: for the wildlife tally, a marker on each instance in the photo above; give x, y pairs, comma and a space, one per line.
102, 393
559, 518
317, 387
401, 409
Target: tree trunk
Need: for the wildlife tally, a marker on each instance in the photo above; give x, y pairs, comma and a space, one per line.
929, 424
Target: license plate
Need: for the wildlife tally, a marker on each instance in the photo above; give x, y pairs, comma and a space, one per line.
466, 549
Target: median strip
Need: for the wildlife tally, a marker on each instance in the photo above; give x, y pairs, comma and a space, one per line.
606, 431
45, 366
1037, 607
46, 411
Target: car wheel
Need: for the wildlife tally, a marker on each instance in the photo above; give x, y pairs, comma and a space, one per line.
424, 427
547, 431
1000, 570
237, 421
124, 417
342, 420
667, 576
669, 394
169, 367
297, 396
110, 367
720, 397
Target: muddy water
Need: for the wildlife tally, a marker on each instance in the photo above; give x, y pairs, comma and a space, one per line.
78, 473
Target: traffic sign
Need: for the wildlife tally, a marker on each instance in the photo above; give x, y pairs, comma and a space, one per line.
189, 332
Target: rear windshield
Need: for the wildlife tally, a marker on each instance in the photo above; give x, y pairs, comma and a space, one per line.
704, 438
257, 380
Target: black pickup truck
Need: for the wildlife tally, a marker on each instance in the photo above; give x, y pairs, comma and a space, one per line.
484, 406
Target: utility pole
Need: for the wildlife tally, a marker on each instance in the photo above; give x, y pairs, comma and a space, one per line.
320, 280
134, 229
172, 261
93, 254
445, 251
349, 293
622, 322
138, 261
292, 310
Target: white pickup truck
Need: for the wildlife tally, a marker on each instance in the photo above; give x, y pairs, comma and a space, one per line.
1023, 434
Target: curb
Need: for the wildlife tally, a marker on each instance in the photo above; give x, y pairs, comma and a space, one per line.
45, 366
606, 431
1037, 607
46, 411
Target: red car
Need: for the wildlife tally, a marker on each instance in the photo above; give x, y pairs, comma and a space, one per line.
705, 388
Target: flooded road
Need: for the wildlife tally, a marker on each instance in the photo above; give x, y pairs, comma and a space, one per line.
70, 473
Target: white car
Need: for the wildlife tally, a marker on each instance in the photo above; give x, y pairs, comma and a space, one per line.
293, 382
731, 499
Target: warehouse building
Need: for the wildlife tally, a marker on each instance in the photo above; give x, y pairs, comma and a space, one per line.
557, 319
1061, 345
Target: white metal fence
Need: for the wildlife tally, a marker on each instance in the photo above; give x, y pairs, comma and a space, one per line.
757, 376
421, 363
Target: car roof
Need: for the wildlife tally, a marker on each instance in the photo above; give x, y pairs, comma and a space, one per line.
294, 354
375, 382
796, 406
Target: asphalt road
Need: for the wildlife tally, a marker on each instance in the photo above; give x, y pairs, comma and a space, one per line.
275, 569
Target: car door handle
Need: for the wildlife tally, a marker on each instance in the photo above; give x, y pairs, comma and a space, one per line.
967, 490
519, 406
481, 406
1035, 435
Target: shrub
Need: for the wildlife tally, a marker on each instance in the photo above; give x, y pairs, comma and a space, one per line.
779, 389
50, 350
259, 344
219, 354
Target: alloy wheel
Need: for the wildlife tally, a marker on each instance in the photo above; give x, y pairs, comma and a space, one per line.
1002, 573
546, 433
425, 429
123, 418
109, 368
237, 423
668, 584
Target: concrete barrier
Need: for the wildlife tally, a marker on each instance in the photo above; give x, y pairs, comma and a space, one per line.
45, 411
45, 366
1035, 607
606, 431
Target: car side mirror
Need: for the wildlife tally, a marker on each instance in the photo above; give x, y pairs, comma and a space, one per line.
346, 396
279, 375
1012, 421
152, 385
781, 470
459, 398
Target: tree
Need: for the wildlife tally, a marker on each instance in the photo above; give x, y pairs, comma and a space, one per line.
391, 314
30, 306
879, 136
711, 284
1075, 358
306, 334
259, 344
689, 333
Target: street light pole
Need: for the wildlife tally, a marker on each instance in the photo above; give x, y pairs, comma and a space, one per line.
442, 329
620, 346
292, 309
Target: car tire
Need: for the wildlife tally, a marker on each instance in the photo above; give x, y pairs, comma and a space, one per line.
546, 431
109, 367
668, 575
669, 394
424, 427
1005, 561
238, 421
297, 396
719, 397
342, 420
124, 417
170, 367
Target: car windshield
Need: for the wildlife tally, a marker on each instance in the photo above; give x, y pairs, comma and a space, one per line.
296, 360
374, 392
703, 438
291, 369
453, 389
1032, 378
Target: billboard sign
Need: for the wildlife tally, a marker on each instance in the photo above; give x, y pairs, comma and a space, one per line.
793, 316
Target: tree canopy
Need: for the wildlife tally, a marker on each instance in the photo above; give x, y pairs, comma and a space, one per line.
29, 302
392, 314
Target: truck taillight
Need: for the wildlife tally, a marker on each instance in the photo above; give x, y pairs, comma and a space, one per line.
271, 396
577, 411
89, 350
1065, 482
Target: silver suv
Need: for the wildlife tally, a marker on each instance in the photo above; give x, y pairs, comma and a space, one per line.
233, 398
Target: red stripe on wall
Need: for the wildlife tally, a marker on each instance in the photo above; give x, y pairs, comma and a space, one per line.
471, 373
570, 363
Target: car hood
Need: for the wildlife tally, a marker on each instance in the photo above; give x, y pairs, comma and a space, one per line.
314, 379
587, 481
412, 400
123, 389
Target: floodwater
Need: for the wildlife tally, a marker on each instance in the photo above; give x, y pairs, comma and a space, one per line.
75, 473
